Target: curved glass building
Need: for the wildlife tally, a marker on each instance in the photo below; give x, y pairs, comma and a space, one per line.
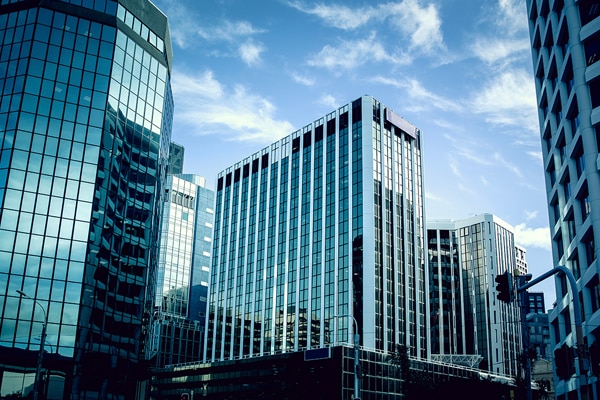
85, 120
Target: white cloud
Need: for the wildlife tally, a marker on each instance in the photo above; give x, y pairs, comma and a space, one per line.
508, 165
453, 164
329, 101
536, 155
229, 31
493, 50
422, 24
533, 237
529, 215
506, 34
250, 52
509, 99
338, 16
353, 53
302, 79
419, 24
415, 91
206, 106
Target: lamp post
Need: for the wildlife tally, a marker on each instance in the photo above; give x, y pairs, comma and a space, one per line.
356, 355
36, 382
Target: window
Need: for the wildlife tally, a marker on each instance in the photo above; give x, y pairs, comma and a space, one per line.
590, 247
595, 92
584, 203
579, 159
592, 48
588, 10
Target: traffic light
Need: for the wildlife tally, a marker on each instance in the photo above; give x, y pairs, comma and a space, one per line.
564, 361
504, 287
185, 396
595, 358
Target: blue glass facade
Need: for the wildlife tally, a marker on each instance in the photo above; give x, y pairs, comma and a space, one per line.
183, 274
467, 319
85, 117
301, 230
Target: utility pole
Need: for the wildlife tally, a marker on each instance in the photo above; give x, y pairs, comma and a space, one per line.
38, 370
356, 356
580, 369
521, 281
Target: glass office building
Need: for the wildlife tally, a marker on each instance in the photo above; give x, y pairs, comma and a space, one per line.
85, 117
468, 323
565, 43
322, 228
183, 274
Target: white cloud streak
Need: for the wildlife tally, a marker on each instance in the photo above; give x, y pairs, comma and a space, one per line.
509, 99
420, 26
420, 95
250, 52
206, 106
532, 237
350, 54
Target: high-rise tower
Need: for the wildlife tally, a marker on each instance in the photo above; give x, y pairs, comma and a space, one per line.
183, 273
565, 41
468, 323
85, 118
322, 228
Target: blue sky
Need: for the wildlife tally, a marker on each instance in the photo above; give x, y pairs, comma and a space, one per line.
247, 73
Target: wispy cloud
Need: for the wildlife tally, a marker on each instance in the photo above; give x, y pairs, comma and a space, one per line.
329, 101
228, 31
507, 36
529, 215
350, 54
419, 94
509, 99
338, 16
507, 165
419, 25
250, 52
302, 79
533, 237
494, 50
209, 107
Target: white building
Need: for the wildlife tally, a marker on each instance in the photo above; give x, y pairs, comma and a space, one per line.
565, 40
464, 258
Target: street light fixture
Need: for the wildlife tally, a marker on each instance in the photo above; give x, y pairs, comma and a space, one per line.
36, 382
356, 355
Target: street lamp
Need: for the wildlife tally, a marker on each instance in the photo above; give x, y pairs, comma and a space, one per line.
356, 355
36, 382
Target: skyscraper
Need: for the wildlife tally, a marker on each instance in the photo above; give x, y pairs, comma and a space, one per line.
183, 273
467, 319
565, 42
319, 231
85, 117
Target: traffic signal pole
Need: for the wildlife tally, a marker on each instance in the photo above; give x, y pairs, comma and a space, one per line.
580, 371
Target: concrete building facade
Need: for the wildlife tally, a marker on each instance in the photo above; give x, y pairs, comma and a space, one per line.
565, 42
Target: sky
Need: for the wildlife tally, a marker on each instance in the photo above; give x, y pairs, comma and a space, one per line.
247, 73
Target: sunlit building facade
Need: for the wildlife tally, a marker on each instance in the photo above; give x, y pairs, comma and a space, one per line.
325, 222
469, 325
565, 42
183, 274
85, 121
